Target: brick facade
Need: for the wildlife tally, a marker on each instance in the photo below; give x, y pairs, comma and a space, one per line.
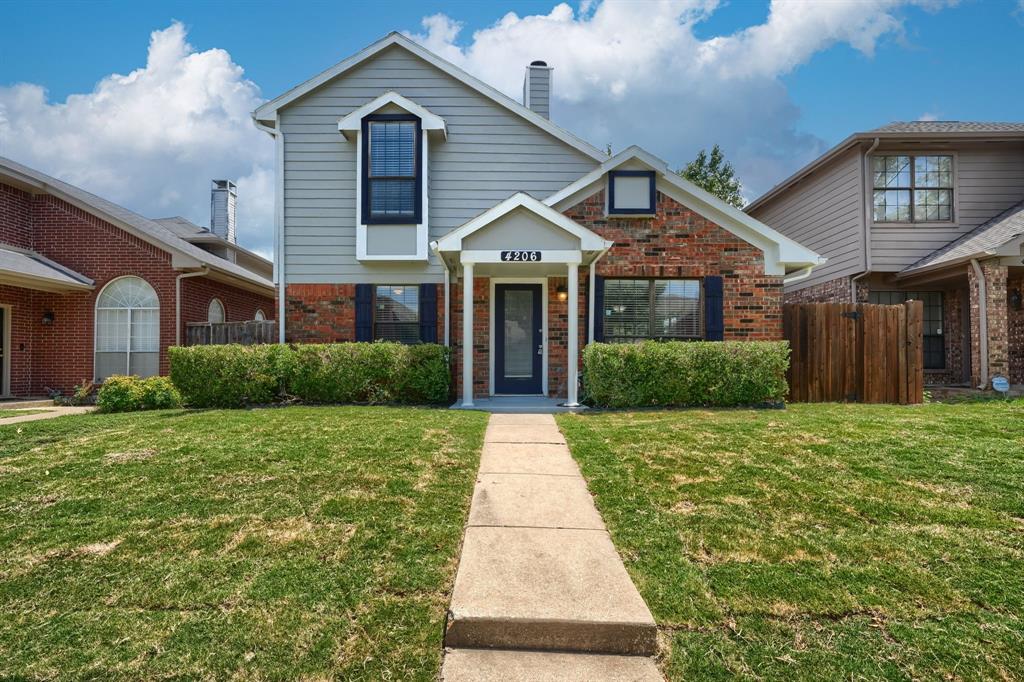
996, 298
1015, 328
60, 355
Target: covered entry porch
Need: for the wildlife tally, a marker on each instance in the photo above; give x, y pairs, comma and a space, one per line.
514, 313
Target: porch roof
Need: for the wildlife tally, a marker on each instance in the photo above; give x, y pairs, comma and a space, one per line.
1000, 236
30, 270
521, 223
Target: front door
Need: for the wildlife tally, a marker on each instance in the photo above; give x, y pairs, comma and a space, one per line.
519, 338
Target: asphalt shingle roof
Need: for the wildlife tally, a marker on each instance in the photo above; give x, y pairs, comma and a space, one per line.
983, 239
949, 127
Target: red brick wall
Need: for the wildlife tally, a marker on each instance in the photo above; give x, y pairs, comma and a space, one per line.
481, 335
21, 313
680, 243
61, 355
320, 313
1016, 330
15, 217
239, 304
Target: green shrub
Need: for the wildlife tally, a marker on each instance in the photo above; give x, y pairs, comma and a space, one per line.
365, 373
677, 373
230, 375
131, 393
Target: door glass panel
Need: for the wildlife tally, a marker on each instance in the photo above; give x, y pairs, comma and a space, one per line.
519, 323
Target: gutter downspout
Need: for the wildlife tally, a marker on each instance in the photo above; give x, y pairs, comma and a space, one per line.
279, 269
867, 221
177, 300
447, 293
591, 284
982, 324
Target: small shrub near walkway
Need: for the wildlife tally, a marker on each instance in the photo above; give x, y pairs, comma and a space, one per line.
685, 374
299, 543
823, 542
361, 373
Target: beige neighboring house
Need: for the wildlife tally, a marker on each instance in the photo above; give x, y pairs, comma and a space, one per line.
930, 210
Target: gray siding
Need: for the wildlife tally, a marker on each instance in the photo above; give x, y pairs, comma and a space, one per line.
490, 154
824, 213
990, 179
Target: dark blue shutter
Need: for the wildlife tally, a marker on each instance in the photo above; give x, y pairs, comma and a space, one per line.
714, 317
428, 313
364, 312
598, 308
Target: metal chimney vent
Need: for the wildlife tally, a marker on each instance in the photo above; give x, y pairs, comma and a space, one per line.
537, 88
223, 199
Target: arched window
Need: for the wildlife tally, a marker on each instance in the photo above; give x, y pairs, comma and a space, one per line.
127, 329
215, 313
260, 316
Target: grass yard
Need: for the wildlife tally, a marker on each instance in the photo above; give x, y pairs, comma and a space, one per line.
282, 543
4, 414
823, 541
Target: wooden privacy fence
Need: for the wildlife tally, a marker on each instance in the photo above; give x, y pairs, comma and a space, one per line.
844, 352
216, 333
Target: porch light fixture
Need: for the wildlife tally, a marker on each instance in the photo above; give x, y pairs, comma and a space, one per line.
562, 292
1016, 300
48, 318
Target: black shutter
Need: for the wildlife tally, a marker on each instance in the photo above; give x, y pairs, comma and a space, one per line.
714, 317
364, 312
598, 308
428, 313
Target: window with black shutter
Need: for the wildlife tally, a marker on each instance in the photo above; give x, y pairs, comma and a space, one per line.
396, 313
638, 309
391, 188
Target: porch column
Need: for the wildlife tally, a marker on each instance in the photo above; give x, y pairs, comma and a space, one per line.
467, 335
989, 322
573, 314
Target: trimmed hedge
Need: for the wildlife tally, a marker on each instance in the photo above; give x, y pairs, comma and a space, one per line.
131, 393
364, 373
686, 374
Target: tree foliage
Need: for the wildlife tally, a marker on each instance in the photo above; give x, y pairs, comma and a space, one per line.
716, 175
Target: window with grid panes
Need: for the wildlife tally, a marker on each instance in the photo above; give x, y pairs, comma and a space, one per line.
934, 347
912, 189
638, 309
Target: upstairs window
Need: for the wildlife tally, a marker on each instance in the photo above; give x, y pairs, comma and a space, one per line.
392, 191
912, 189
396, 313
638, 309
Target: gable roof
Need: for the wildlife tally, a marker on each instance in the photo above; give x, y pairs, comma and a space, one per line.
32, 270
268, 111
184, 254
898, 130
1001, 235
788, 254
589, 240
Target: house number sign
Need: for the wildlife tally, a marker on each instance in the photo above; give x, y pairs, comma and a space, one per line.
520, 256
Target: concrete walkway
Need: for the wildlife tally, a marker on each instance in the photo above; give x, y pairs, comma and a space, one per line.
541, 593
50, 413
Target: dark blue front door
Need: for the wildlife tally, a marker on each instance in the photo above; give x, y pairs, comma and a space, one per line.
519, 338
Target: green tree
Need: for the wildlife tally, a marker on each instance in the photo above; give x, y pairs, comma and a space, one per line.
716, 175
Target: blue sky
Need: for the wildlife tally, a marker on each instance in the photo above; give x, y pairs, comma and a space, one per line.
782, 83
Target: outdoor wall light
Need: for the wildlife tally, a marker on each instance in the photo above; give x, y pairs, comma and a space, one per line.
563, 294
48, 318
1016, 300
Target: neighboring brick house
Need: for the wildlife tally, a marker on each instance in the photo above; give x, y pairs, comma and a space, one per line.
932, 210
89, 289
405, 186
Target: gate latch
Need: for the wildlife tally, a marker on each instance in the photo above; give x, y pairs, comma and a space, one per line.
855, 315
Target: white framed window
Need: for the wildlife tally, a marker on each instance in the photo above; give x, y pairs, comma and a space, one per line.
127, 329
260, 316
215, 311
638, 309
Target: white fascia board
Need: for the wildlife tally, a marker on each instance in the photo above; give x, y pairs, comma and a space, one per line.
589, 241
267, 111
779, 250
352, 124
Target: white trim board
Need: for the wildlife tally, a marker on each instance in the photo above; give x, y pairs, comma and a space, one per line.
268, 111
543, 281
429, 121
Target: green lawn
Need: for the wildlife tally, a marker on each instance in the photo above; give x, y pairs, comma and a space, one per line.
281, 543
19, 413
822, 541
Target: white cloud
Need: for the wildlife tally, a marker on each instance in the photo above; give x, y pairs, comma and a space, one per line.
153, 139
631, 72
928, 116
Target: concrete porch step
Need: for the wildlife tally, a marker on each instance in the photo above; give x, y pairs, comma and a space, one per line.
480, 665
547, 589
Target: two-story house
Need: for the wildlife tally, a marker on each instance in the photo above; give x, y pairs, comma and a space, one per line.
929, 210
407, 188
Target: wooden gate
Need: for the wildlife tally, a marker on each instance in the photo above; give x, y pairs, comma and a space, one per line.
844, 352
